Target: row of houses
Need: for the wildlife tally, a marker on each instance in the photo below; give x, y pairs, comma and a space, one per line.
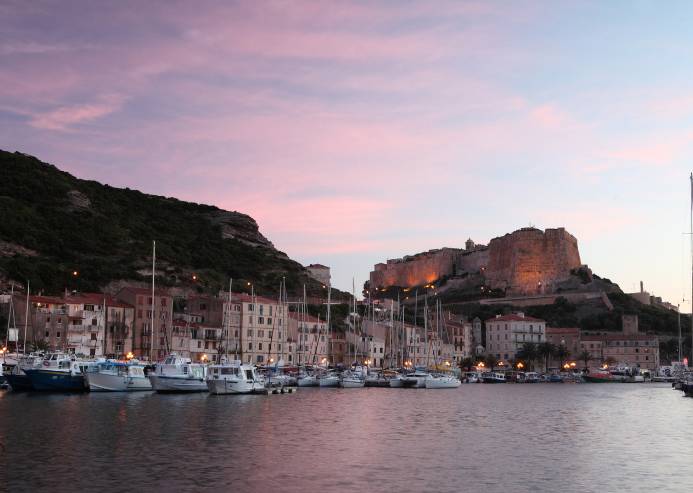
507, 334
262, 330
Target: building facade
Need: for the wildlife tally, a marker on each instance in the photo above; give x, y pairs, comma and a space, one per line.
506, 334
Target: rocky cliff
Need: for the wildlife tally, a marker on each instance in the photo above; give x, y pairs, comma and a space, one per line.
53, 225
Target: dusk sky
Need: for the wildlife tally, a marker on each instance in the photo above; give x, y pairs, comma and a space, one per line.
354, 132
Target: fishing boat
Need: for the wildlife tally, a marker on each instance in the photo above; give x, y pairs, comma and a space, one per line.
16, 375
442, 382
416, 380
599, 376
234, 378
493, 377
60, 372
118, 376
178, 374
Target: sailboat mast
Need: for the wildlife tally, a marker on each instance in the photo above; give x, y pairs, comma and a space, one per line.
691, 268
9, 317
229, 311
151, 346
26, 313
329, 329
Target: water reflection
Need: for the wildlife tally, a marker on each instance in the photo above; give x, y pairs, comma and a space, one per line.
476, 438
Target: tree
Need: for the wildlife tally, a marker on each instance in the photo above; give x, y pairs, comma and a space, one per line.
528, 354
490, 361
545, 350
467, 363
562, 353
585, 356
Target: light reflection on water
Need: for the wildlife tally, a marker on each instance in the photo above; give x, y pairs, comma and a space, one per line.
487, 438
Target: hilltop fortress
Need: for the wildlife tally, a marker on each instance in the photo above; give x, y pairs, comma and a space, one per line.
527, 261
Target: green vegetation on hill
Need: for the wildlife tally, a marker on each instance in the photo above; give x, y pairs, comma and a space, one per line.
105, 234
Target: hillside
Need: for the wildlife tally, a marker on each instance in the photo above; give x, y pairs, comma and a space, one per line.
53, 224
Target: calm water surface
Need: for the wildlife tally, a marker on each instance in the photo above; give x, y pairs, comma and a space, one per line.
479, 438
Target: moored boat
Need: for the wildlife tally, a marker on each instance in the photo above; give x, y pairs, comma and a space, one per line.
118, 376
416, 380
329, 379
442, 382
493, 377
178, 374
234, 378
16, 375
59, 372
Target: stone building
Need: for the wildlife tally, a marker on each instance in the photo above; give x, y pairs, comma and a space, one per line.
162, 306
527, 261
506, 334
628, 347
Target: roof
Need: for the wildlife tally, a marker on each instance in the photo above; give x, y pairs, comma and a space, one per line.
246, 298
96, 299
304, 316
136, 290
562, 330
48, 300
514, 317
620, 337
318, 266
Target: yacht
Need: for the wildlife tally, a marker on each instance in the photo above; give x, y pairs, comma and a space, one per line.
442, 382
416, 380
234, 378
118, 376
307, 379
178, 374
60, 372
352, 379
329, 379
493, 377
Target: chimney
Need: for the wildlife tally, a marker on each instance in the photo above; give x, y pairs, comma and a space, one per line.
641, 287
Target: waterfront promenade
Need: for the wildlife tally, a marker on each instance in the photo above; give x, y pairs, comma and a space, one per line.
490, 438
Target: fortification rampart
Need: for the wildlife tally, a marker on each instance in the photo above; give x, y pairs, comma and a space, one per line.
531, 261
527, 261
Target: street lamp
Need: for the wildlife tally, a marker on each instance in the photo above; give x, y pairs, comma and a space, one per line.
204, 358
520, 365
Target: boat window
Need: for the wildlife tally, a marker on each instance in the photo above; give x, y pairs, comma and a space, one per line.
249, 374
185, 369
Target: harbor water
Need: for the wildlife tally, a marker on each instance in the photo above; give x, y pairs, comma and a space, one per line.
478, 438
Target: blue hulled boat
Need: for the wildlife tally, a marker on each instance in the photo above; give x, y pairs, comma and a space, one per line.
60, 373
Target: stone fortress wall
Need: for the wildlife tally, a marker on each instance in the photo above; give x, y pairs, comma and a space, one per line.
527, 261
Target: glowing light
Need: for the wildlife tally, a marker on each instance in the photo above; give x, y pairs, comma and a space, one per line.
194, 277
129, 355
520, 365
573, 364
480, 364
75, 273
204, 357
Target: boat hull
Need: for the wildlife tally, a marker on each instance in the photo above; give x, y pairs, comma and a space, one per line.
56, 381
396, 383
224, 387
413, 383
442, 383
165, 384
100, 382
19, 383
308, 382
599, 379
329, 382
352, 383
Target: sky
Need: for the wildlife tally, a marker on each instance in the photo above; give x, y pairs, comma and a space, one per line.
359, 131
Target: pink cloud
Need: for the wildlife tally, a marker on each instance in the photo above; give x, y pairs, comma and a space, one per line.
66, 116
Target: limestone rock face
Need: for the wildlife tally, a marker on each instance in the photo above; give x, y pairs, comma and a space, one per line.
530, 261
241, 227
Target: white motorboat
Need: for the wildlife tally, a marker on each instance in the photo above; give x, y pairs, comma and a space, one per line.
307, 380
396, 382
352, 380
234, 378
442, 382
416, 380
329, 379
178, 374
474, 377
117, 376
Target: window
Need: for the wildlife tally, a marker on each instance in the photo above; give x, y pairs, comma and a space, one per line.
249, 332
259, 346
93, 336
93, 321
92, 352
269, 321
260, 320
251, 307
250, 346
261, 333
260, 358
199, 344
47, 334
57, 334
262, 309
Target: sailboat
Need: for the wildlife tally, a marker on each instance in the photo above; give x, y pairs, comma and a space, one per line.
441, 380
